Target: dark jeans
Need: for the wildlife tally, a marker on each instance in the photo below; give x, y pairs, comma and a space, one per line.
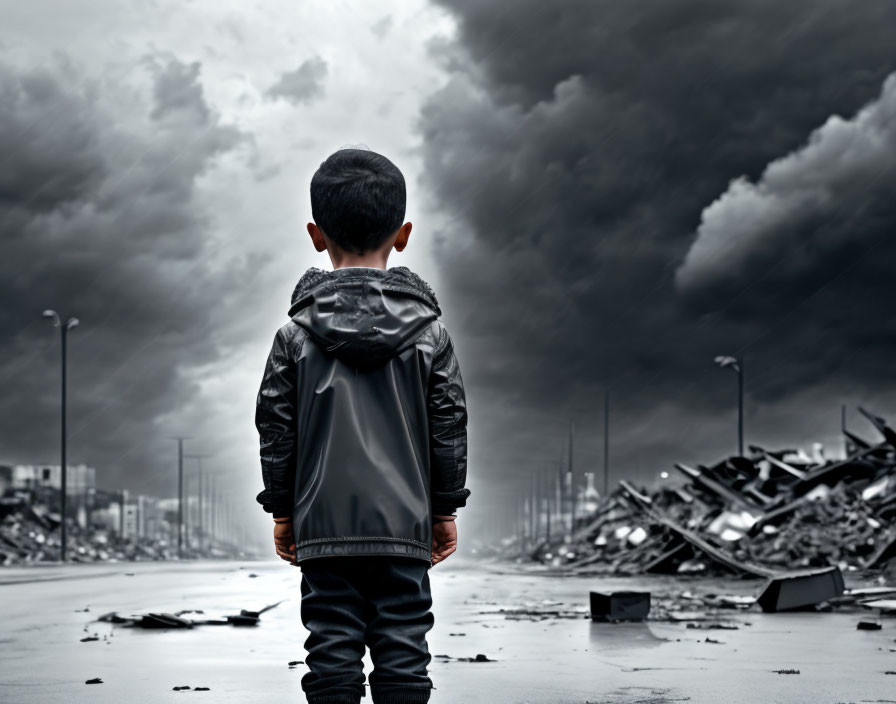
380, 601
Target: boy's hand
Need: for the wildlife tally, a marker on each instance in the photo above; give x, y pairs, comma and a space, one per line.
284, 540
444, 539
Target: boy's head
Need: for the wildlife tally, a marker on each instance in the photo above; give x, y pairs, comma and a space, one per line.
358, 203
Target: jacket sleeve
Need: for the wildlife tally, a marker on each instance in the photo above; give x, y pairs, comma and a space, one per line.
447, 409
275, 419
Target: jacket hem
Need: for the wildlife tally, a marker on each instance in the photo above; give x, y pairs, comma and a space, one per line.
331, 547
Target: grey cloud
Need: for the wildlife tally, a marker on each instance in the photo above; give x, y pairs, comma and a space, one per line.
120, 240
808, 210
178, 92
382, 26
302, 85
48, 145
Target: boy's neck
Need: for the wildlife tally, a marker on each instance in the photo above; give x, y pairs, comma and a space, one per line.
373, 259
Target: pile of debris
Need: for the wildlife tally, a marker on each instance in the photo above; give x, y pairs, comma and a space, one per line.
751, 515
31, 534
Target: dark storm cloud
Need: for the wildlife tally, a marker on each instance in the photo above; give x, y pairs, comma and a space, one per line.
302, 85
100, 220
830, 197
579, 143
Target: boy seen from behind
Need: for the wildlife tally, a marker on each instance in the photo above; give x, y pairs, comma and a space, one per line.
362, 422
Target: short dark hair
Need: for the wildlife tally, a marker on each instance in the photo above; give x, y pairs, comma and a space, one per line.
358, 199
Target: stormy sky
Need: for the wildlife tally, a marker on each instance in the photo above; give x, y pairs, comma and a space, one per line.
604, 195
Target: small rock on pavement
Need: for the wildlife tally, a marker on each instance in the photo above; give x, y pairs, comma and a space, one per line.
479, 658
95, 680
868, 626
787, 672
183, 686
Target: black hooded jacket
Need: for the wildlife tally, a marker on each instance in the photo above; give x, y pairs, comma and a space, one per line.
362, 416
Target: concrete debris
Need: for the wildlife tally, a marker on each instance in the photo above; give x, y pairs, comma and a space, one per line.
155, 620
162, 620
620, 606
775, 514
801, 590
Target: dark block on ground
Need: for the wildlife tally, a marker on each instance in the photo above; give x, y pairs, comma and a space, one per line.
620, 606
801, 590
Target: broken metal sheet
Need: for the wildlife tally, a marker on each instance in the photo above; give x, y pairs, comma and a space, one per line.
163, 620
886, 552
881, 425
668, 560
800, 590
715, 487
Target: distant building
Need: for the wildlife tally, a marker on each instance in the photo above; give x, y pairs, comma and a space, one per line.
80, 479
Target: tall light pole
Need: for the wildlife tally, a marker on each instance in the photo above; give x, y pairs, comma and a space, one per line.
736, 365
180, 495
63, 329
201, 528
606, 442
572, 482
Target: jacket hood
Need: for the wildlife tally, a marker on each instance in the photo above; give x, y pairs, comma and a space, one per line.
363, 316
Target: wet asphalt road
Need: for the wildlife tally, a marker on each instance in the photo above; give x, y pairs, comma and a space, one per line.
538, 658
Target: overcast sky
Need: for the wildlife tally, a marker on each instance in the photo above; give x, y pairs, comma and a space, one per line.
604, 195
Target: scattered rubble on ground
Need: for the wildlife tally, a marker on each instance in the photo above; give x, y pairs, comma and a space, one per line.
480, 657
759, 515
157, 620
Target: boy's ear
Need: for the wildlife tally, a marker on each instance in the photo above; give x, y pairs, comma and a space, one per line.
317, 237
401, 241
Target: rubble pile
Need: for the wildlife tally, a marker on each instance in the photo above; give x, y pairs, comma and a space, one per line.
751, 515
31, 534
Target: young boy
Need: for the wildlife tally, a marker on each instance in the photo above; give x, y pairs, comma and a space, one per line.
362, 421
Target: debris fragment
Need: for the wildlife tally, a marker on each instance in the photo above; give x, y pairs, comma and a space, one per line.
786, 672
869, 626
479, 658
95, 680
620, 606
163, 620
801, 590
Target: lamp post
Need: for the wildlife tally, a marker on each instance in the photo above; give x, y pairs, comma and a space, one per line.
201, 529
736, 365
63, 329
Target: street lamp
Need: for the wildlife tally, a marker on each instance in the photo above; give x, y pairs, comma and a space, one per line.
736, 365
202, 529
63, 329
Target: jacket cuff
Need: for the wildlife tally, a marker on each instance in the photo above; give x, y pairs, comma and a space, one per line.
274, 504
444, 503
